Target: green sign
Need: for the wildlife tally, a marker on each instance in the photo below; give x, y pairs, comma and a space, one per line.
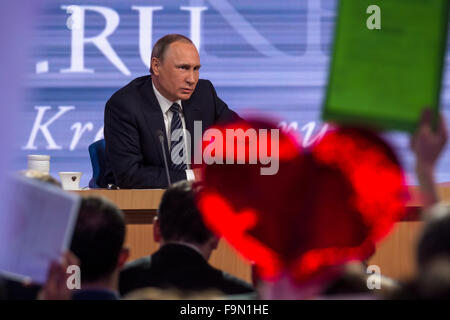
387, 62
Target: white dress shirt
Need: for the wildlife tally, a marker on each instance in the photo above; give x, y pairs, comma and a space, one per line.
165, 105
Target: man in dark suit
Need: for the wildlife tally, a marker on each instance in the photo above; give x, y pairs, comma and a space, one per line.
160, 106
186, 245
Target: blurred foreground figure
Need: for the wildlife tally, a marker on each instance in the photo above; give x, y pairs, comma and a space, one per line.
98, 241
185, 248
324, 207
41, 176
96, 249
433, 250
433, 258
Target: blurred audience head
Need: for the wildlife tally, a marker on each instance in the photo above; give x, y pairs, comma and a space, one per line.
433, 259
434, 242
353, 282
41, 176
173, 294
179, 219
98, 240
432, 282
301, 225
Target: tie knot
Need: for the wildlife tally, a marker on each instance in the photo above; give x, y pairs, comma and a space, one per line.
175, 108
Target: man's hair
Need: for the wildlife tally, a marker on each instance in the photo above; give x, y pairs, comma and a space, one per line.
160, 47
179, 218
98, 237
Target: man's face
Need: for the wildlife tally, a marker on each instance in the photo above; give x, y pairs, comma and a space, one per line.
176, 75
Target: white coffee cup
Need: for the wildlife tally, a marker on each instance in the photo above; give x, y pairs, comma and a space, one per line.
39, 162
70, 180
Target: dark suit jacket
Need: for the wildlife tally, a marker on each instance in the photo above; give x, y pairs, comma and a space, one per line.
180, 267
132, 118
15, 290
94, 294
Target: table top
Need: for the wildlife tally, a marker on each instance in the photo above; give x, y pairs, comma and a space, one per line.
149, 199
129, 199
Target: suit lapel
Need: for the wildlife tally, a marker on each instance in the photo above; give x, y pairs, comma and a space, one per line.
154, 118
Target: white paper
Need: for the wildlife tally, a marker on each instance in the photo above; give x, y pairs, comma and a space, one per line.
36, 229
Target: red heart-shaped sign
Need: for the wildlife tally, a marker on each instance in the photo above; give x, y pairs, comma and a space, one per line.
324, 206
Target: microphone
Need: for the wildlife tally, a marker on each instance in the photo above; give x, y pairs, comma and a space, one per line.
160, 135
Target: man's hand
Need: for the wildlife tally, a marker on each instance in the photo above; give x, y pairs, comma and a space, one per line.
198, 173
427, 146
56, 286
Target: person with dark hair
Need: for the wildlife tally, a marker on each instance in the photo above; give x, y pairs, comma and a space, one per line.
433, 248
434, 242
185, 247
41, 176
98, 243
433, 261
159, 109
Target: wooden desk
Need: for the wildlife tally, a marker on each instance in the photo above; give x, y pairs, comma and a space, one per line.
395, 255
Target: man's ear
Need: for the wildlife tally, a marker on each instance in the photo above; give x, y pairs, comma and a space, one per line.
123, 257
156, 230
215, 243
155, 63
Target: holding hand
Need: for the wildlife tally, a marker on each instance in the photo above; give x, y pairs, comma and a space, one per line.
56, 286
427, 145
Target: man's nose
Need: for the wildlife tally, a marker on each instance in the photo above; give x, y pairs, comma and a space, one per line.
190, 79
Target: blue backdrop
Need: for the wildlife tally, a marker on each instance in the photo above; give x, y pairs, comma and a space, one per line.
269, 57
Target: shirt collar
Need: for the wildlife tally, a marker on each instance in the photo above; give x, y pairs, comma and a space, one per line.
193, 247
164, 103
